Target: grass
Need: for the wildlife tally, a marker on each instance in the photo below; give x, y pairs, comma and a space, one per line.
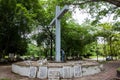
118, 69
4, 79
96, 57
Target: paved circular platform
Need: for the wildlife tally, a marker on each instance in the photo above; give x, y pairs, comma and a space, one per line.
53, 70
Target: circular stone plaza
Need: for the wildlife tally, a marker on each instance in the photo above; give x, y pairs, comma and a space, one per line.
55, 71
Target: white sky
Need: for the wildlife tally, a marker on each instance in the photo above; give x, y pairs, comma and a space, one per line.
80, 16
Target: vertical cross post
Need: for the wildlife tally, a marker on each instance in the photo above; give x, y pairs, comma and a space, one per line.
58, 35
56, 22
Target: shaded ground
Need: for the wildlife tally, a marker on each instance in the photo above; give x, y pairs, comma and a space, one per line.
107, 74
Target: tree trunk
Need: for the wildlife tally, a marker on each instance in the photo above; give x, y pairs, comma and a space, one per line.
110, 45
51, 48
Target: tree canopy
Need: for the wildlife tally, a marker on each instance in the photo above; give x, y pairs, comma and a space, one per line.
19, 19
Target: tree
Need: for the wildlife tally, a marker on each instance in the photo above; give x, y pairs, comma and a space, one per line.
78, 2
75, 37
33, 50
45, 40
17, 19
110, 35
96, 8
47, 34
93, 7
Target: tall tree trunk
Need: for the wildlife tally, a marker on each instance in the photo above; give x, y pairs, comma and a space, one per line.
104, 49
51, 49
110, 45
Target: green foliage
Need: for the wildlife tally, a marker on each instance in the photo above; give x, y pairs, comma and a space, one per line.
96, 8
17, 19
90, 49
118, 69
75, 37
111, 37
46, 38
33, 50
117, 26
4, 79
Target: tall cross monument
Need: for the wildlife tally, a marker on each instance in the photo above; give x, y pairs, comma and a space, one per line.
56, 22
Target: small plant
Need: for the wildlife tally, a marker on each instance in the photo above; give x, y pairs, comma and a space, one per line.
118, 69
4, 79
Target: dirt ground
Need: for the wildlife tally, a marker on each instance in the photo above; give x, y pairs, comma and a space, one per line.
108, 74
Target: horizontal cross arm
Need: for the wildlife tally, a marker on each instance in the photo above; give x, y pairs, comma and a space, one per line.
62, 12
52, 22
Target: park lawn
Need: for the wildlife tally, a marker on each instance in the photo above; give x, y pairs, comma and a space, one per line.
92, 57
4, 79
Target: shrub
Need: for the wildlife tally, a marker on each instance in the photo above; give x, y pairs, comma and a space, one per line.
4, 79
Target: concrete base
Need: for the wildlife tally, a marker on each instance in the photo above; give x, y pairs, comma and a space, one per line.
57, 72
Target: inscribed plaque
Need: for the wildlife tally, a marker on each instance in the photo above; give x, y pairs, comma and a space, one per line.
42, 73
67, 72
32, 73
77, 71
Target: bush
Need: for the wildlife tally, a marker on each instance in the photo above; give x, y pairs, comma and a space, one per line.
118, 69
4, 79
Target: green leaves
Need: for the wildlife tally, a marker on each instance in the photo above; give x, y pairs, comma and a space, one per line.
75, 37
17, 19
111, 37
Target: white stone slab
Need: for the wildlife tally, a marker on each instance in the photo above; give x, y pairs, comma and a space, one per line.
53, 79
54, 73
21, 70
90, 70
67, 72
42, 73
33, 71
77, 71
